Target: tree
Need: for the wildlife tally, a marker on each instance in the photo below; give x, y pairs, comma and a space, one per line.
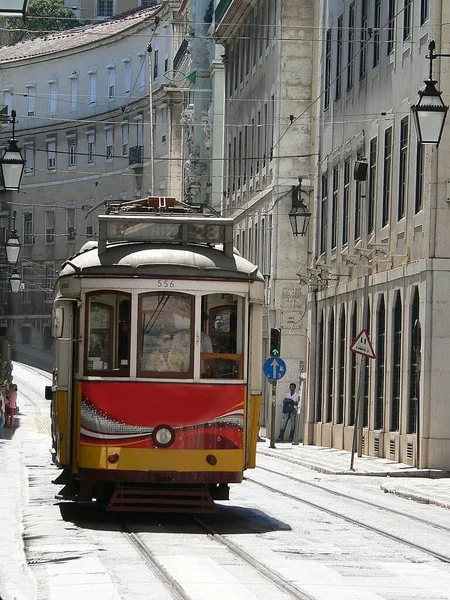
43, 16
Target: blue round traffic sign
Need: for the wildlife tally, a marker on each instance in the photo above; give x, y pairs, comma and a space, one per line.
274, 368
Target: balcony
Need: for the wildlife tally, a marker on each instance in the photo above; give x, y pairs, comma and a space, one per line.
136, 155
227, 16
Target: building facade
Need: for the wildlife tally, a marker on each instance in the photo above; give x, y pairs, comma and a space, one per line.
382, 217
84, 123
268, 146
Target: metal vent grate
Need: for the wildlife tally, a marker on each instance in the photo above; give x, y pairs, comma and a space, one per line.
409, 451
392, 447
363, 442
376, 446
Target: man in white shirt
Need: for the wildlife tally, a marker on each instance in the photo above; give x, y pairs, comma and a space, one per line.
290, 404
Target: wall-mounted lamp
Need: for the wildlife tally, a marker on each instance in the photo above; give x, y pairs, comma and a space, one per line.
12, 162
13, 243
430, 112
15, 281
299, 215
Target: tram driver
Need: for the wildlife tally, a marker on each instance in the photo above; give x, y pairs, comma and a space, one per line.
165, 357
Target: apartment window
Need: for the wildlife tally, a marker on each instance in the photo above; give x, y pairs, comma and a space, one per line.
387, 176
334, 207
320, 356
72, 152
403, 168
105, 8
49, 280
363, 42
358, 210
258, 142
163, 124
31, 100
155, 64
339, 50
91, 148
8, 100
49, 227
51, 155
391, 26
125, 132
420, 164
380, 366
109, 143
424, 11
29, 158
28, 284
89, 217
376, 33
28, 236
127, 76
397, 365
353, 367
92, 88
111, 84
326, 100
324, 214
52, 97
346, 202
71, 221
139, 132
239, 162
413, 400
74, 93
407, 9
330, 379
372, 185
142, 70
341, 374
350, 45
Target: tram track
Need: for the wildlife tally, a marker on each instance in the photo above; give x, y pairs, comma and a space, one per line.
442, 557
135, 539
24, 384
393, 511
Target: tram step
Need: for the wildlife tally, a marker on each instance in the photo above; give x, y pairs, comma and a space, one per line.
162, 500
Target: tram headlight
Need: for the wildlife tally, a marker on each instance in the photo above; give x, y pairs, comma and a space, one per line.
163, 436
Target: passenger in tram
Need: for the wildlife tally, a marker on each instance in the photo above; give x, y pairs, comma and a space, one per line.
165, 357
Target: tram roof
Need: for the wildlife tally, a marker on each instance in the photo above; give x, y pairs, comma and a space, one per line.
126, 258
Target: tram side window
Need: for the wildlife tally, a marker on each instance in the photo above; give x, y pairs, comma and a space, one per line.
166, 336
223, 356
108, 328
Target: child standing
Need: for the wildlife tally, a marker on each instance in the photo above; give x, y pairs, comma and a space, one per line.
12, 401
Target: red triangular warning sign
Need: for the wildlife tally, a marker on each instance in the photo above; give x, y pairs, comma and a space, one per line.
362, 345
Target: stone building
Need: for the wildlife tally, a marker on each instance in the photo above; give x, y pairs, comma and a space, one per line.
382, 217
83, 123
268, 146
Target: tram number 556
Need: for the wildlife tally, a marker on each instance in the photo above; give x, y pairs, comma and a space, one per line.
166, 283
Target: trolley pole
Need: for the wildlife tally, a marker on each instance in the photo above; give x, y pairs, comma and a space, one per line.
273, 414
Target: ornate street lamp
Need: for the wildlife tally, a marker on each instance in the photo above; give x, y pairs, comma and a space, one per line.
299, 215
13, 8
13, 243
430, 112
15, 281
12, 162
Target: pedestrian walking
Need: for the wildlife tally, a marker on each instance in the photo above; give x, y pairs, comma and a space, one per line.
12, 403
290, 404
2, 408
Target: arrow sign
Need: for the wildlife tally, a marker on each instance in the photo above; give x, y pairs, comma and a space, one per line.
362, 345
274, 368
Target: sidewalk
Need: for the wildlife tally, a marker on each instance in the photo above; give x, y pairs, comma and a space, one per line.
422, 485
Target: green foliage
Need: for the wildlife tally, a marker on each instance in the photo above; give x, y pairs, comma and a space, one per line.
43, 16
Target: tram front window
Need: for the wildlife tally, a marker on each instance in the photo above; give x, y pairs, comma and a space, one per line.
108, 327
166, 334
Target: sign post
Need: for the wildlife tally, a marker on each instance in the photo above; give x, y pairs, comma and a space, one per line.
274, 368
363, 346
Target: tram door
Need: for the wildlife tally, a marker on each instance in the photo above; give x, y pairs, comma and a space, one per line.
63, 382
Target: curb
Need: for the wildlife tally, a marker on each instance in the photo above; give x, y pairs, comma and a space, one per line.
408, 495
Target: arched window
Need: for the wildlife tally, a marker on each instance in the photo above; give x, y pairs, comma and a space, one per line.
329, 415
367, 376
414, 372
319, 395
341, 374
397, 365
353, 334
380, 366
